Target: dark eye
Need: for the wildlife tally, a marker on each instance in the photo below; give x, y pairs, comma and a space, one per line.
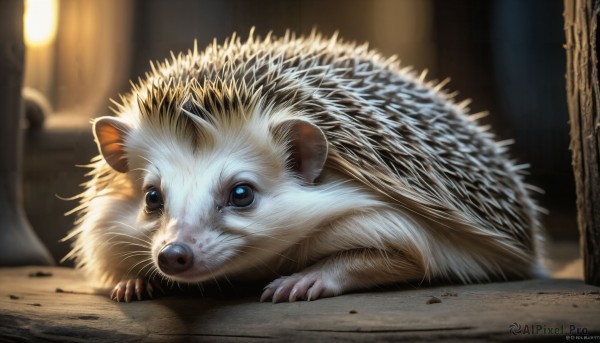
154, 200
241, 195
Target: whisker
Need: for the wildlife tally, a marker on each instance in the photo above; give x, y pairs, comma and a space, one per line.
259, 260
134, 253
148, 264
137, 229
271, 251
227, 279
201, 287
135, 265
131, 236
129, 244
141, 169
256, 233
152, 270
146, 159
133, 256
215, 279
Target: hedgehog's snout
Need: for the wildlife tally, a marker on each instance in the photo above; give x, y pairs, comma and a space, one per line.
175, 258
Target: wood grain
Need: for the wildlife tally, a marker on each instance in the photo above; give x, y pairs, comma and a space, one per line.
583, 96
32, 310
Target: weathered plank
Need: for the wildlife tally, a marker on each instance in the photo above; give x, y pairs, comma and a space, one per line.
32, 310
583, 96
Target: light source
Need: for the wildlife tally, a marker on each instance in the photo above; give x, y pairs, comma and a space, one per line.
40, 21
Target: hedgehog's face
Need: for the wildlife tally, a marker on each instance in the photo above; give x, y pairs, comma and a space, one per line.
232, 200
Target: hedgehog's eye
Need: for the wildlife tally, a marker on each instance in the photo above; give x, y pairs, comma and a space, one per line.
241, 195
154, 200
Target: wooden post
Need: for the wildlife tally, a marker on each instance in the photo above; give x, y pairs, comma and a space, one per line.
18, 243
583, 95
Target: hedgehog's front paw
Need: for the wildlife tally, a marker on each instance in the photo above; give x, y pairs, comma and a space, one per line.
306, 285
125, 289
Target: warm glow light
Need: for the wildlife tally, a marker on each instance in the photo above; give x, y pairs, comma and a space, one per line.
40, 21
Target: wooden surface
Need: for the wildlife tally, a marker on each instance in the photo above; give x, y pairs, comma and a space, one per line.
583, 94
32, 310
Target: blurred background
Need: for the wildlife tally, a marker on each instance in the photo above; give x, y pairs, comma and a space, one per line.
505, 55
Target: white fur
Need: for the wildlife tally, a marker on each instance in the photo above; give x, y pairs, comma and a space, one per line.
362, 223
292, 226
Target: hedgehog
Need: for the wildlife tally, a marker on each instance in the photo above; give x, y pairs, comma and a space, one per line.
309, 163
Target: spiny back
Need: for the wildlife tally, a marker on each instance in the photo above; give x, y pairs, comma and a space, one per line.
387, 128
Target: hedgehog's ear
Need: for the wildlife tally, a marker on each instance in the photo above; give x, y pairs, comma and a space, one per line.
308, 147
110, 135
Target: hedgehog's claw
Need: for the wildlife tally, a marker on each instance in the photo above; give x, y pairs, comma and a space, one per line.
306, 285
125, 289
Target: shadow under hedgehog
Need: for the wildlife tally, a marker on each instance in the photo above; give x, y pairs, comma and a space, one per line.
309, 162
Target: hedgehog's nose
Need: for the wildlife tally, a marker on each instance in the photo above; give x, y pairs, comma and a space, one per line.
175, 258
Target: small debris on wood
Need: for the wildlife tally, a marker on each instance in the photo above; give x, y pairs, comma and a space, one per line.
13, 297
88, 317
434, 300
60, 290
449, 294
40, 274
35, 304
575, 306
353, 312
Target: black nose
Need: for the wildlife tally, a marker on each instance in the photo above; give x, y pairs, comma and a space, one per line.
175, 258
